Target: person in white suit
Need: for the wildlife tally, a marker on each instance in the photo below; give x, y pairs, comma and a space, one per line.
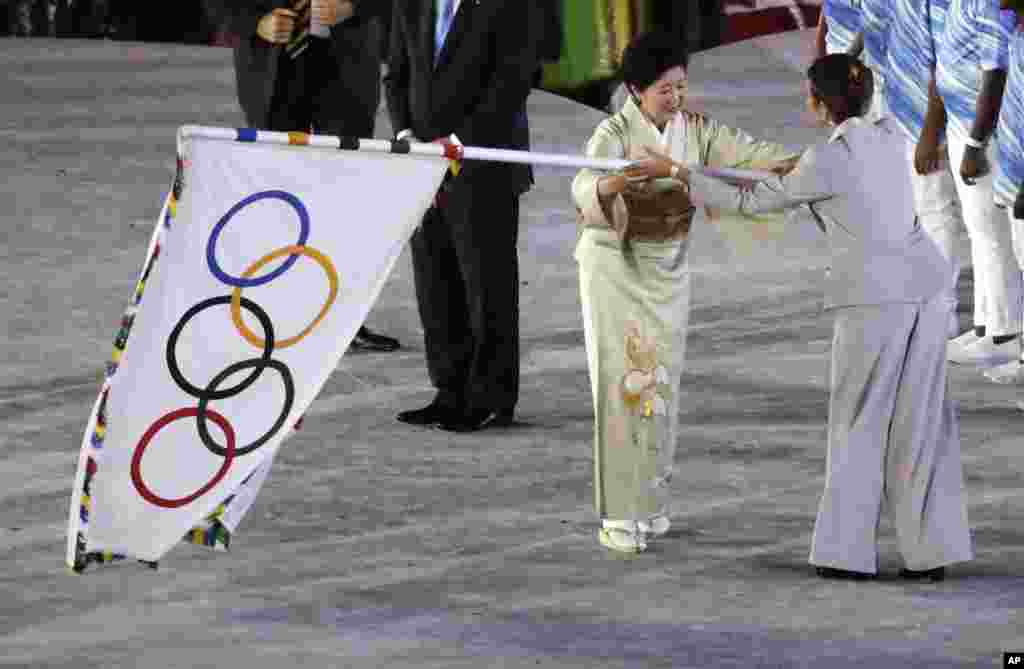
893, 430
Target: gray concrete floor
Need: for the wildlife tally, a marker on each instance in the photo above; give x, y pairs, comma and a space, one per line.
374, 544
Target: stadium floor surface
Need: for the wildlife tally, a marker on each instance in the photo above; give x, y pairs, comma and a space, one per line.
376, 544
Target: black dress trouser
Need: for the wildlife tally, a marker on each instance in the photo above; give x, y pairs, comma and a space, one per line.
466, 271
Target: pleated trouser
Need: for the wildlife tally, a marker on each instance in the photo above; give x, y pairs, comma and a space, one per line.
635, 320
893, 435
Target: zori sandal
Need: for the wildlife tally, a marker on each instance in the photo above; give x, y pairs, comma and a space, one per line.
622, 536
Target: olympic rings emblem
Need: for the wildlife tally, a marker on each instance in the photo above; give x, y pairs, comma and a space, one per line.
149, 495
267, 343
246, 282
293, 252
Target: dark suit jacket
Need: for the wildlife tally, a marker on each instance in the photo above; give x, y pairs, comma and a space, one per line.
548, 22
479, 87
354, 46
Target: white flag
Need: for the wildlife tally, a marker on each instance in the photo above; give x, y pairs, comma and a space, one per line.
265, 263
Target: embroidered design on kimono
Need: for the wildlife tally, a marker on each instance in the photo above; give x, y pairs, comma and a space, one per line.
645, 385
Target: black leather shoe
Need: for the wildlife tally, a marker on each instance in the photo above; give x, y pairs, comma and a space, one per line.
478, 419
843, 574
936, 575
368, 340
432, 414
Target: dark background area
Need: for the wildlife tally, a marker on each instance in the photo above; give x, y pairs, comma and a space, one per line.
701, 24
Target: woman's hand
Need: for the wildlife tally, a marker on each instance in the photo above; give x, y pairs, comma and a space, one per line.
784, 167
657, 166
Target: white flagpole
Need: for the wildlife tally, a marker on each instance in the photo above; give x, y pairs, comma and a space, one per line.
441, 151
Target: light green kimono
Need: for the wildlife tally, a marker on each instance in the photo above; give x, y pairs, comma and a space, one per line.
635, 314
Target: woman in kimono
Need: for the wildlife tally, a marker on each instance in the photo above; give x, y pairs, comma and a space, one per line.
634, 282
893, 430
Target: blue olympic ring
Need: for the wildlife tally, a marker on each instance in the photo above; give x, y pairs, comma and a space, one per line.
211, 245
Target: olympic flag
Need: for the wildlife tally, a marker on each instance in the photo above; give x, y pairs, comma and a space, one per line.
266, 260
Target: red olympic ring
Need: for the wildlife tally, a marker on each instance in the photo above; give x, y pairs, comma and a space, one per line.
229, 456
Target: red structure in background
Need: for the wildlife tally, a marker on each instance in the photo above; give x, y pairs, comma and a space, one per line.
745, 19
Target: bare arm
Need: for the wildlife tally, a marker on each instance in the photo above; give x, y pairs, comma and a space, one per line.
819, 36
927, 156
990, 100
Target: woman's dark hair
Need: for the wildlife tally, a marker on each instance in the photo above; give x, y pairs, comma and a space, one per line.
843, 83
651, 55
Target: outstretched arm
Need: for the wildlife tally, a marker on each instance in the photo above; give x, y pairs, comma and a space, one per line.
779, 194
724, 146
761, 197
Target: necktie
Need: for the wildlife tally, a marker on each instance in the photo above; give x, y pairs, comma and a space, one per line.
444, 23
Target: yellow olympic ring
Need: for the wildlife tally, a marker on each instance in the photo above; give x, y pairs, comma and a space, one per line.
236, 296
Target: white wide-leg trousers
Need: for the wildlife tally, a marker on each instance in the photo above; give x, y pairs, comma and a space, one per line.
998, 289
893, 435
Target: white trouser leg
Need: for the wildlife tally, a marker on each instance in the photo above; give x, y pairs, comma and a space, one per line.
997, 277
1017, 234
924, 474
868, 351
935, 199
878, 107
938, 212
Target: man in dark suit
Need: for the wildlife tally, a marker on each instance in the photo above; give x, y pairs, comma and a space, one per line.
464, 68
547, 18
330, 84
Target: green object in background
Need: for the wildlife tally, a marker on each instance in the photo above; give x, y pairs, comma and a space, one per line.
594, 35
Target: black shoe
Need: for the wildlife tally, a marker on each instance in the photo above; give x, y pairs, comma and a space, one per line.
936, 575
478, 419
432, 414
368, 340
832, 572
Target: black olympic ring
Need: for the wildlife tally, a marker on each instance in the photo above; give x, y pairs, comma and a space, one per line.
209, 393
